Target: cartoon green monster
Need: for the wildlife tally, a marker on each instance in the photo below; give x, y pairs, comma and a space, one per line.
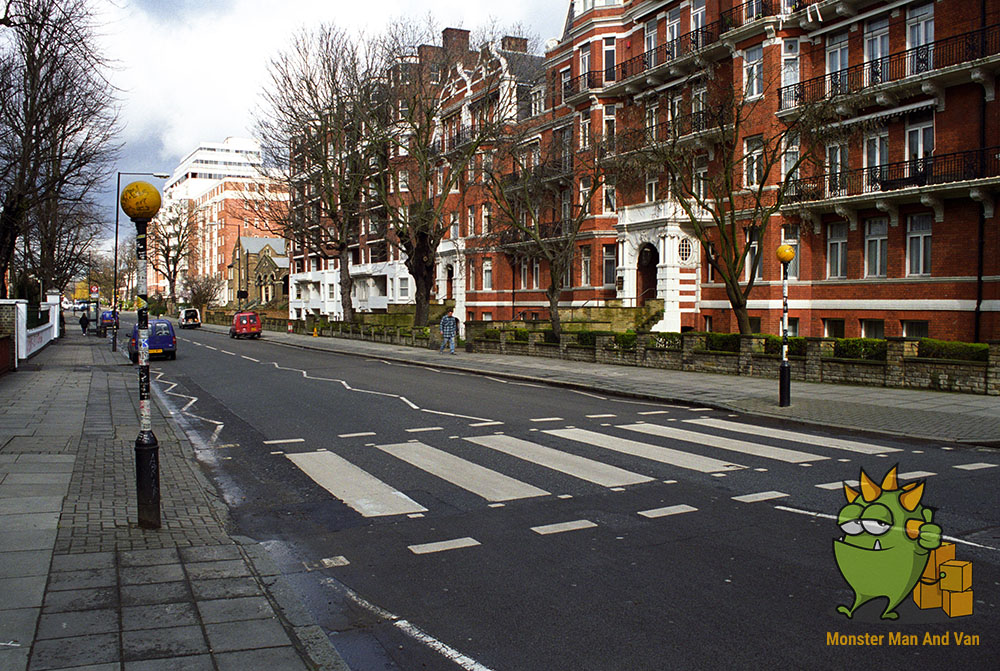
888, 536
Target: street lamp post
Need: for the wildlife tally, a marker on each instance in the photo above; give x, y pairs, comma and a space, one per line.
785, 254
141, 202
114, 299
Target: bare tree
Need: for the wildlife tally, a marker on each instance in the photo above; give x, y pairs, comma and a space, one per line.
203, 289
544, 191
312, 130
726, 182
128, 266
172, 237
440, 105
57, 117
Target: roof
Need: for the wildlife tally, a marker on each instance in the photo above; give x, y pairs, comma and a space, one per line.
255, 245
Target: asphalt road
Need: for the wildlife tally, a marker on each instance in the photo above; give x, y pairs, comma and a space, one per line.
442, 520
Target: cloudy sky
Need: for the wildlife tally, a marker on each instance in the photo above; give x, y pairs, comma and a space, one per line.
191, 71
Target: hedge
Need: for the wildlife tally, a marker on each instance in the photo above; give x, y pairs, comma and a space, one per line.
722, 342
796, 345
869, 349
949, 349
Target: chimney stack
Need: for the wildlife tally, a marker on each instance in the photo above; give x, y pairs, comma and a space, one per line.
518, 44
455, 40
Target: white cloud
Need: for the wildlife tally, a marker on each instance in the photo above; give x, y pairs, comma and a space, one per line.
192, 71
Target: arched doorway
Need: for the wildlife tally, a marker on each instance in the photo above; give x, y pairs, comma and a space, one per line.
646, 274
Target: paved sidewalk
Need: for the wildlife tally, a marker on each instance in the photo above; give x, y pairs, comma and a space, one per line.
932, 415
81, 586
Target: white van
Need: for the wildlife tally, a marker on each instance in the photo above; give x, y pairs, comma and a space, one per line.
189, 318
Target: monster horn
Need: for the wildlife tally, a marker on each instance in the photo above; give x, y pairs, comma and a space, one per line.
889, 482
910, 499
850, 494
869, 490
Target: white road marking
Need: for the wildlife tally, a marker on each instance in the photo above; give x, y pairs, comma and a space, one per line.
357, 488
477, 479
975, 467
250, 358
356, 435
760, 496
452, 414
600, 416
284, 441
410, 630
228, 352
441, 546
579, 467
795, 436
210, 347
565, 496
425, 428
669, 510
477, 424
333, 562
702, 409
664, 455
546, 419
911, 475
654, 412
561, 527
278, 452
827, 516
584, 393
741, 446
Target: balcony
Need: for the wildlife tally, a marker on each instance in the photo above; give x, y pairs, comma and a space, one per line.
744, 15
669, 58
582, 85
916, 176
693, 128
927, 62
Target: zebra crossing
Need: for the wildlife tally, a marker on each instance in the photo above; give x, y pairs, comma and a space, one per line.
372, 497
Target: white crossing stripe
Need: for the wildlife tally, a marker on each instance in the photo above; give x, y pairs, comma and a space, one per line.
760, 496
579, 467
477, 479
560, 527
664, 455
365, 493
795, 436
911, 475
669, 510
426, 548
975, 467
755, 449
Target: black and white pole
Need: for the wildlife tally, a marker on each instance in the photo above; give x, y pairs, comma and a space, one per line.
141, 201
785, 254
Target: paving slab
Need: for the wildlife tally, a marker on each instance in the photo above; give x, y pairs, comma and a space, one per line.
62, 653
159, 615
17, 626
24, 592
24, 564
248, 634
235, 609
163, 642
78, 623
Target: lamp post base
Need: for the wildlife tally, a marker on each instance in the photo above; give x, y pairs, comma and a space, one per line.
784, 385
147, 479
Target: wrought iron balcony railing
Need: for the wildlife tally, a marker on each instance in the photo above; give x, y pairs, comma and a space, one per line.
917, 172
937, 55
665, 53
747, 13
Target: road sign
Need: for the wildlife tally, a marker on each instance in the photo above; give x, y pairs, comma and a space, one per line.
95, 291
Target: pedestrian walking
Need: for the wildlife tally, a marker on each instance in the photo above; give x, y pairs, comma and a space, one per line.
449, 330
84, 322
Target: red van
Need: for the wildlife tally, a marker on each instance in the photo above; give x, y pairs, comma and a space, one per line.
245, 325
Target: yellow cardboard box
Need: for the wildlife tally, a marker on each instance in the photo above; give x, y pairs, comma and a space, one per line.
957, 604
927, 596
956, 575
941, 554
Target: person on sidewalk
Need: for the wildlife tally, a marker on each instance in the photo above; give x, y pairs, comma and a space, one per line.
84, 322
449, 330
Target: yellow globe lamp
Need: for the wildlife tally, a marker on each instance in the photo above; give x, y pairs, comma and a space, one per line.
140, 200
786, 253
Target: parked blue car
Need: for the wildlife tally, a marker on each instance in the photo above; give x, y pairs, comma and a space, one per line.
162, 341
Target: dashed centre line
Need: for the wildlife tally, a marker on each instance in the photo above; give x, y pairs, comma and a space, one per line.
283, 441
441, 546
356, 435
228, 352
974, 467
425, 428
561, 527
250, 358
546, 419
668, 510
760, 496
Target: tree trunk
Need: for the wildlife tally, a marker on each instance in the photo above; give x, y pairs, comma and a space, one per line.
739, 304
345, 285
553, 293
420, 263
